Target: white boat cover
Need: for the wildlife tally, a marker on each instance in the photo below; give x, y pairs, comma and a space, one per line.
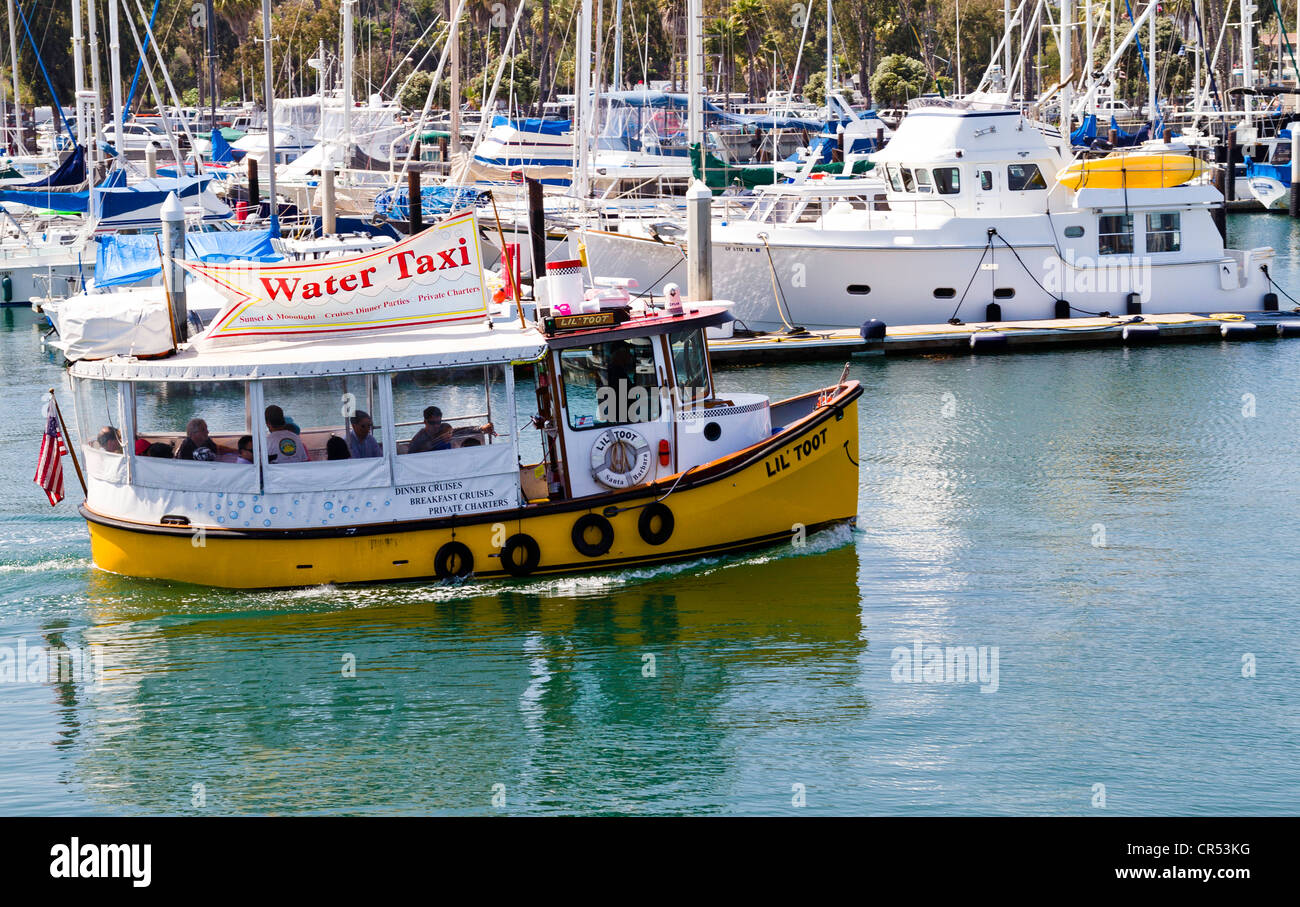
114, 324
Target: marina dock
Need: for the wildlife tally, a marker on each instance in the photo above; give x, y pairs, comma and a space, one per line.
1004, 336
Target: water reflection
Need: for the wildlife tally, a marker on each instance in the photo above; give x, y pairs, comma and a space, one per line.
594, 698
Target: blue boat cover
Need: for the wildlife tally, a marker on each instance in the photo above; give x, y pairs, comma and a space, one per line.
435, 201
125, 259
534, 124
1086, 132
70, 172
109, 203
222, 153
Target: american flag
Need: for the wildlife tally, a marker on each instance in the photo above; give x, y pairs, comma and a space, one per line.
49, 465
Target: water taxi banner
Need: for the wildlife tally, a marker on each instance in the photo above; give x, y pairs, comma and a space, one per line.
433, 277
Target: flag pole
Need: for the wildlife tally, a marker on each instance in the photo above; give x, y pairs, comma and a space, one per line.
72, 451
508, 263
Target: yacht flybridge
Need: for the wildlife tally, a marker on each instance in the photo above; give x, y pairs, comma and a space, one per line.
972, 224
355, 420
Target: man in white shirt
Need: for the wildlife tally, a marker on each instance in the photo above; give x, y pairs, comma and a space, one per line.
282, 445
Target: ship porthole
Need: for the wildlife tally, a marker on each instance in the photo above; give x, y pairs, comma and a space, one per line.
520, 555
453, 559
655, 524
587, 526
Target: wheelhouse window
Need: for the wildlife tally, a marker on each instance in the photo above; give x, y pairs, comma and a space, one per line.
923, 184
895, 180
690, 365
199, 422
1163, 232
947, 180
322, 418
447, 409
986, 180
610, 383
909, 185
1115, 234
1024, 176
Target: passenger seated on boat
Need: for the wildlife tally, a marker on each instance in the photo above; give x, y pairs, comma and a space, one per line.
109, 440
436, 434
159, 449
198, 444
244, 453
282, 444
337, 449
360, 438
141, 447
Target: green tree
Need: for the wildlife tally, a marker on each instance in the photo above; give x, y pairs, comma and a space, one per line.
897, 79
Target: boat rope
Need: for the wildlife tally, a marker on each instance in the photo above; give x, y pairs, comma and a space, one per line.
612, 511
988, 247
778, 292
1274, 284
649, 290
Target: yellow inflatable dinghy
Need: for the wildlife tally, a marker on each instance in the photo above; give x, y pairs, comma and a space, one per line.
1132, 171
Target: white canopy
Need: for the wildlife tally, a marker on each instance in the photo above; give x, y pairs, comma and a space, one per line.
435, 346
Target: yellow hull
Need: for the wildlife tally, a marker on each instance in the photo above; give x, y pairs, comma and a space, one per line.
1132, 171
802, 480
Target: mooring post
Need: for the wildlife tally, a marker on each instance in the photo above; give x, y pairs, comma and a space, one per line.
254, 192
151, 161
1230, 168
329, 223
1293, 206
414, 202
173, 250
536, 228
699, 241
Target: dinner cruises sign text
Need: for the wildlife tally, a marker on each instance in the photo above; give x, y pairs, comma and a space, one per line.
433, 277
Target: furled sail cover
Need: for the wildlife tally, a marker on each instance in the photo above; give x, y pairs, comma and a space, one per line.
433, 277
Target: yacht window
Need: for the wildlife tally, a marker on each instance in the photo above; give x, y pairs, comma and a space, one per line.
923, 180
895, 182
1074, 232
1163, 233
435, 410
610, 383
908, 184
986, 180
690, 364
318, 410
1004, 293
1024, 176
1282, 152
205, 422
1115, 234
944, 293
947, 180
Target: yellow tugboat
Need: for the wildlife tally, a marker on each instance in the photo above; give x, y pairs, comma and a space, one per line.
369, 433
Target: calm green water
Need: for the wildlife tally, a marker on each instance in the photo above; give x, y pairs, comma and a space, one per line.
1117, 523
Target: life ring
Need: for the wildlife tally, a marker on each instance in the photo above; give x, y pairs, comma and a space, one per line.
646, 524
453, 560
586, 523
520, 544
620, 457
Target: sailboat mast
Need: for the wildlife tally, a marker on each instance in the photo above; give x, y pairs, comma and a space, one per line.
695, 71
1247, 56
97, 120
582, 102
830, 60
78, 70
269, 93
1151, 74
618, 46
212, 61
115, 72
18, 106
348, 51
1067, 74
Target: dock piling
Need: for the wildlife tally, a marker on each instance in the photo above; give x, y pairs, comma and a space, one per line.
414, 202
329, 223
699, 241
173, 249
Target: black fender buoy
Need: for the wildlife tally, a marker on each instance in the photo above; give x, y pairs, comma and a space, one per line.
1133, 304
520, 555
453, 560
993, 312
585, 524
873, 329
1062, 309
1270, 302
646, 525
